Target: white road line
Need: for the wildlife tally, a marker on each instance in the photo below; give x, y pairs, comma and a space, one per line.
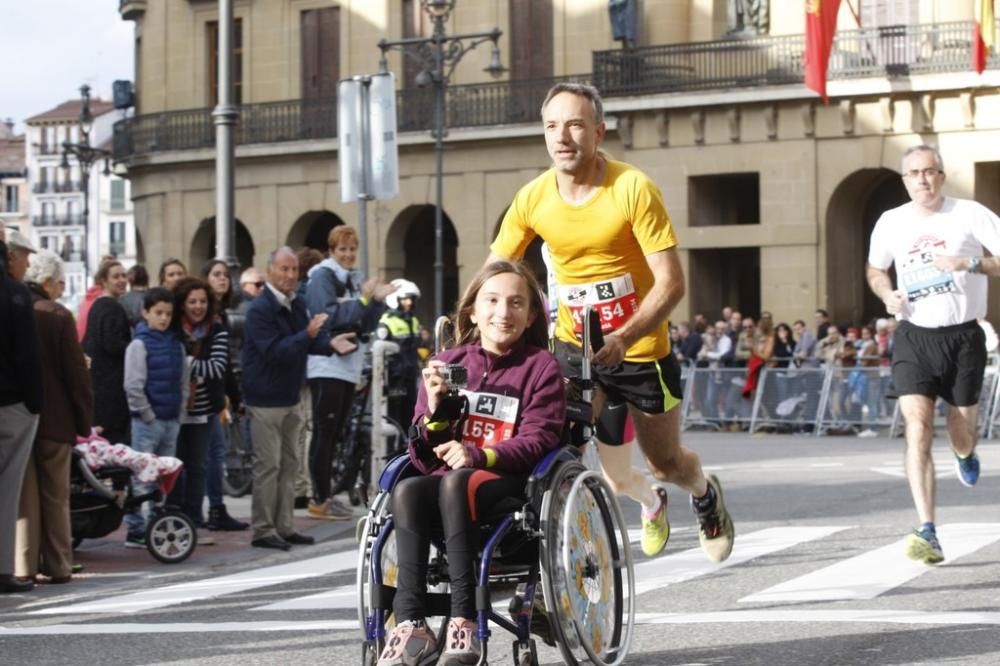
847, 615
345, 596
877, 571
208, 588
941, 470
177, 628
656, 573
720, 617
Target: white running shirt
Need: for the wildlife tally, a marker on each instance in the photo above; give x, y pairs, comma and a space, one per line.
935, 298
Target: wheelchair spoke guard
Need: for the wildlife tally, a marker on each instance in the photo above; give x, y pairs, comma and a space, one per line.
587, 567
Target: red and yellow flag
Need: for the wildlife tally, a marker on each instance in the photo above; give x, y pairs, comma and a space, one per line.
821, 24
982, 41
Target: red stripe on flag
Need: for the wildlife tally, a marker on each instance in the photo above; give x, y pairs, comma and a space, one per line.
978, 50
821, 24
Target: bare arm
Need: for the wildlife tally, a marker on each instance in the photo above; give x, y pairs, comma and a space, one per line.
496, 257
881, 284
948, 264
667, 291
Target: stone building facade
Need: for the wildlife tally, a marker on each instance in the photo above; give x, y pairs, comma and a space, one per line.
773, 193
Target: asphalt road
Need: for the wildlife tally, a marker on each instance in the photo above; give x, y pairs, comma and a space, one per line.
818, 576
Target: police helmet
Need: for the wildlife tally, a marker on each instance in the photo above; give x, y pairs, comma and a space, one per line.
404, 289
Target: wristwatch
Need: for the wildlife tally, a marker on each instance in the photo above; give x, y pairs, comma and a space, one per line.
974, 264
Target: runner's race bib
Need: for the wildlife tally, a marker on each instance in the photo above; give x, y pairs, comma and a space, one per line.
491, 418
614, 300
917, 274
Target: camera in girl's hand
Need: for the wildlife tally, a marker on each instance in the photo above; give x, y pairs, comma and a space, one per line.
455, 376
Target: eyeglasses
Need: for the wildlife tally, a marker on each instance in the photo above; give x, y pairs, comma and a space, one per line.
930, 172
259, 285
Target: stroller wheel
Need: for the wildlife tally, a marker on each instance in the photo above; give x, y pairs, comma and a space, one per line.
171, 537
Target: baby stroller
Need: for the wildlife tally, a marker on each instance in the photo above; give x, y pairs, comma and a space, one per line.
100, 498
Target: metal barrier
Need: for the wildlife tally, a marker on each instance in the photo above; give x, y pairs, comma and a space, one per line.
813, 400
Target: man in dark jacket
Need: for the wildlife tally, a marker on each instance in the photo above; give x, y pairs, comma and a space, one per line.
278, 337
20, 404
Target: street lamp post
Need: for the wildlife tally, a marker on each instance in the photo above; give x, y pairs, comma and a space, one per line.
86, 155
438, 55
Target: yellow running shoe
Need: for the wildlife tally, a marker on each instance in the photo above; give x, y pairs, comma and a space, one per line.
656, 530
923, 546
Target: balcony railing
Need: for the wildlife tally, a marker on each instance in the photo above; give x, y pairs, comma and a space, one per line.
473, 105
71, 186
892, 52
47, 149
43, 187
69, 220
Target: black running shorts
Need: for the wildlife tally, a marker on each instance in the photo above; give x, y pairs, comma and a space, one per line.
946, 362
652, 387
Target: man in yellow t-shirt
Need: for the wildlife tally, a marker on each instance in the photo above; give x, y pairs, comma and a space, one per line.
613, 249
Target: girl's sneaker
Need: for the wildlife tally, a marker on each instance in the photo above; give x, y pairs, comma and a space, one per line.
411, 643
461, 643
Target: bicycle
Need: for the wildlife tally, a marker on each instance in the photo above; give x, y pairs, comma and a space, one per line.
238, 478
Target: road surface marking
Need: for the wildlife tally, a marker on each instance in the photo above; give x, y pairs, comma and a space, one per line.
208, 588
876, 571
816, 616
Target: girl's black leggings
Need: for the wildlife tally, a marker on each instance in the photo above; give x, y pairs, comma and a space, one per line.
453, 504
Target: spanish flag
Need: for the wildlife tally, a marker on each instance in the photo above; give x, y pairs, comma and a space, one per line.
821, 24
982, 41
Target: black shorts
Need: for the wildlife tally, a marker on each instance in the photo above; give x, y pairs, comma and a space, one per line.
946, 362
652, 387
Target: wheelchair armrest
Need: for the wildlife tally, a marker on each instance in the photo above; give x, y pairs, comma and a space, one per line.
397, 469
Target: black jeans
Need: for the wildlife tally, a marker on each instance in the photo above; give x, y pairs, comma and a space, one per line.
192, 449
454, 504
331, 405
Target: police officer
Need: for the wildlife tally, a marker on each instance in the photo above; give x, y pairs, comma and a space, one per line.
401, 326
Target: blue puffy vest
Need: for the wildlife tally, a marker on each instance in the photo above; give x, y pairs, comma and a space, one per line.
164, 369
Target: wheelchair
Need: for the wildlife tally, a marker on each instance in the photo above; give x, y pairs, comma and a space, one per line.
568, 536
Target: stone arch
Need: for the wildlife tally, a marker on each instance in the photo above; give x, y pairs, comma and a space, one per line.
409, 253
854, 207
312, 229
203, 245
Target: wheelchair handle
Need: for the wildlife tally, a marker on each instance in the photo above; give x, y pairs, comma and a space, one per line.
440, 326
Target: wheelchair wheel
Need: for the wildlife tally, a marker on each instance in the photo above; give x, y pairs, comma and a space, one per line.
171, 537
587, 571
368, 532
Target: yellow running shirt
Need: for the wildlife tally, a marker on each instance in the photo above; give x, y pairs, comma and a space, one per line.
598, 248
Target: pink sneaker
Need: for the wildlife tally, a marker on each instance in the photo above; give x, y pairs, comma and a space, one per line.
411, 643
461, 643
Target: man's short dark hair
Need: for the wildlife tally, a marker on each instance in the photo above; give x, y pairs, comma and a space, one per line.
138, 276
799, 322
157, 295
821, 311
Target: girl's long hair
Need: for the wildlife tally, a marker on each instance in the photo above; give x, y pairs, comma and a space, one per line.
226, 299
536, 333
183, 289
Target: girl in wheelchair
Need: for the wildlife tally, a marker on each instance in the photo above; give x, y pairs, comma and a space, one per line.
475, 448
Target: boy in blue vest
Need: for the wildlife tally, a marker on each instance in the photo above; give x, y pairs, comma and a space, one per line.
156, 386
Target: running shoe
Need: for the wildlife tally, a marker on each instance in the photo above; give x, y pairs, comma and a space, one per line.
411, 643
715, 532
923, 546
967, 469
656, 530
461, 643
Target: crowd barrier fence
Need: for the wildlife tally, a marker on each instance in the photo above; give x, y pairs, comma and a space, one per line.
815, 400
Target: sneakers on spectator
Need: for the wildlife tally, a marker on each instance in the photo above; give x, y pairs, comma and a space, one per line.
868, 433
922, 545
331, 509
716, 531
656, 530
461, 643
411, 643
967, 469
135, 541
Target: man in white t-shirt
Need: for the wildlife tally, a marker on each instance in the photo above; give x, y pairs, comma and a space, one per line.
939, 351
